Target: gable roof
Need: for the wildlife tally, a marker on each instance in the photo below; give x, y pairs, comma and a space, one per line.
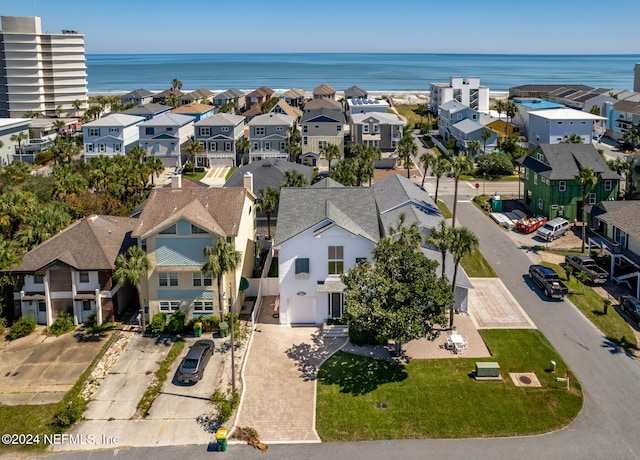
626, 217
324, 90
322, 116
232, 93
354, 91
383, 118
452, 106
194, 107
168, 92
137, 94
468, 126
115, 119
294, 93
627, 106
263, 91
217, 210
151, 108
351, 208
269, 172
221, 119
91, 243
168, 119
293, 112
565, 161
322, 103
198, 94
271, 119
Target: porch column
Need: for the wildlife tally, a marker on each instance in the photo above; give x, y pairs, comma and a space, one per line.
98, 307
74, 290
47, 296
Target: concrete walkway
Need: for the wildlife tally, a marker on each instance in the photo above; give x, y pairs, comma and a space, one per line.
280, 379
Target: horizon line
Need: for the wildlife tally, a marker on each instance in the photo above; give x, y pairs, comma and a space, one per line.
370, 52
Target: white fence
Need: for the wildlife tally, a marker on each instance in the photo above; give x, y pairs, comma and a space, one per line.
263, 286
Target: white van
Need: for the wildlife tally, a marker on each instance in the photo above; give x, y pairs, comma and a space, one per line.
553, 229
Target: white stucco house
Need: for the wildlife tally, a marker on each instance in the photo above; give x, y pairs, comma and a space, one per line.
112, 135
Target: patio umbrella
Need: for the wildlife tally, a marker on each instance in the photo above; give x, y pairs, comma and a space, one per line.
244, 284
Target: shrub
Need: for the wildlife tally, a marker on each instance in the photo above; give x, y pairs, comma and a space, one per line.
69, 414
209, 323
92, 320
176, 322
3, 325
23, 327
158, 323
62, 325
225, 403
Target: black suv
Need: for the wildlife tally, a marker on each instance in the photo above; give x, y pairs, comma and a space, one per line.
631, 306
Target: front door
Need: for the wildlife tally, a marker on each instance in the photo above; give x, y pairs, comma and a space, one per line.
42, 312
335, 304
87, 308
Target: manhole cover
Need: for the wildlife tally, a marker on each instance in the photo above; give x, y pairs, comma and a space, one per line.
524, 379
381, 405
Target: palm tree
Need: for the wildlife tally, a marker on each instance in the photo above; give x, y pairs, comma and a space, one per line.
129, 269
572, 139
293, 178
268, 202
19, 138
587, 180
632, 136
463, 242
439, 167
440, 239
176, 84
293, 143
473, 147
407, 149
407, 235
242, 146
511, 109
59, 125
485, 135
219, 260
194, 148
77, 103
171, 100
31, 114
155, 167
625, 168
425, 159
500, 106
461, 165
330, 152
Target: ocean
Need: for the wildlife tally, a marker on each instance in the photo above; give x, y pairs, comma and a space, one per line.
120, 73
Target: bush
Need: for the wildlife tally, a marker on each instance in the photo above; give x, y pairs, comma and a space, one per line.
209, 323
92, 320
22, 328
158, 323
494, 165
176, 322
3, 324
69, 414
226, 404
62, 325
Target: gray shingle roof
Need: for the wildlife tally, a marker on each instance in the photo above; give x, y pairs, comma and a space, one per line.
92, 243
452, 106
169, 119
626, 217
332, 116
351, 208
271, 119
565, 161
115, 119
468, 126
354, 91
383, 118
322, 103
147, 109
217, 210
137, 94
221, 119
324, 89
269, 172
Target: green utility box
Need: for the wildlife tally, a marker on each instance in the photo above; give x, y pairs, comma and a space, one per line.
224, 329
487, 369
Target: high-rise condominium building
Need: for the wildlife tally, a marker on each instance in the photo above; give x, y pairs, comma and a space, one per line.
40, 72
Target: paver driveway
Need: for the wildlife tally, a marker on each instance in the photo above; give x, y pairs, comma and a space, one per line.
280, 379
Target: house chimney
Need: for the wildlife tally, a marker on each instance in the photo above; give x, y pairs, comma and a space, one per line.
248, 181
176, 181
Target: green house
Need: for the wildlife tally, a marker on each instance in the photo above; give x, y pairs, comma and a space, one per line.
550, 187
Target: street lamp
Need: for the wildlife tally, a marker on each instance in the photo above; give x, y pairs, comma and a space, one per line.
233, 361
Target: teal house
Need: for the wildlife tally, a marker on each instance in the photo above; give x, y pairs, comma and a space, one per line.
550, 187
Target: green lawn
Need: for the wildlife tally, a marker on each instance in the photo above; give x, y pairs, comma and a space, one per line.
444, 210
407, 111
193, 175
612, 325
439, 399
477, 266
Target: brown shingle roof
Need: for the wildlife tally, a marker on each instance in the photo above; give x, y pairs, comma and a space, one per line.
194, 107
217, 210
263, 91
324, 89
92, 243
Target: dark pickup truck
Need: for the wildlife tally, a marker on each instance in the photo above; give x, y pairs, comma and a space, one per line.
597, 274
548, 280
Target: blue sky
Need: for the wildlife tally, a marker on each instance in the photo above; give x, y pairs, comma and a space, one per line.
409, 26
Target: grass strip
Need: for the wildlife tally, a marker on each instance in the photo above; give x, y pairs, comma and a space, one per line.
161, 375
476, 266
444, 210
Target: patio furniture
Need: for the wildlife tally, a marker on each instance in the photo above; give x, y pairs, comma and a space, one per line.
458, 343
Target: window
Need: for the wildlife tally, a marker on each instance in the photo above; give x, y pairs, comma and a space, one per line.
322, 144
279, 128
84, 277
117, 147
336, 260
305, 129
535, 178
201, 307
156, 147
592, 198
540, 157
562, 186
304, 140
365, 129
171, 230
283, 146
256, 146
205, 131
86, 305
172, 305
526, 174
360, 259
302, 269
227, 146
167, 279
259, 130
339, 128
197, 230
213, 147
608, 185
94, 131
169, 130
143, 244
267, 145
89, 148
202, 279
38, 279
559, 122
540, 203
114, 130
102, 148
42, 306
225, 129
148, 131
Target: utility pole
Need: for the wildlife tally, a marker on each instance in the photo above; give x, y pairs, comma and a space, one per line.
233, 361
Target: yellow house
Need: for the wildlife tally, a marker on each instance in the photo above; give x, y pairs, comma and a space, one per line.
503, 128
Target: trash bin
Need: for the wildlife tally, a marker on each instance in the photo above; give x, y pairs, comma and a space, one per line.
496, 203
221, 440
224, 329
197, 329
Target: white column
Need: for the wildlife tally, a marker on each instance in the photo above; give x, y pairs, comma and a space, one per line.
99, 307
47, 296
74, 290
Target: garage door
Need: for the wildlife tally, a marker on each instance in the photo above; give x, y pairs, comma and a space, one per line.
301, 310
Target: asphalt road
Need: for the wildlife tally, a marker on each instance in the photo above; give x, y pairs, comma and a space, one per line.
605, 429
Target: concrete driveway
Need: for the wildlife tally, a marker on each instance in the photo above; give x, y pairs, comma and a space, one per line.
280, 379
41, 369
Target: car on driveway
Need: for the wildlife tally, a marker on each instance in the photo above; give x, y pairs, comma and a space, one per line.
631, 306
192, 366
548, 280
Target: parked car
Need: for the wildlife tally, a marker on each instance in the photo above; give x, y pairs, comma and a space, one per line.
192, 367
631, 306
596, 273
548, 280
553, 229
